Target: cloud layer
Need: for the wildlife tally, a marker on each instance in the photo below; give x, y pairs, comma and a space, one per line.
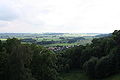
59, 16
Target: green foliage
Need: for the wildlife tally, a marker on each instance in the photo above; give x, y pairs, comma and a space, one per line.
89, 67
3, 65
18, 63
70, 59
116, 36
75, 75
106, 50
105, 66
10, 43
43, 65
113, 77
26, 62
0, 45
99, 59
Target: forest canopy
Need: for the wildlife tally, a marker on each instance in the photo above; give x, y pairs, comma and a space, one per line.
97, 60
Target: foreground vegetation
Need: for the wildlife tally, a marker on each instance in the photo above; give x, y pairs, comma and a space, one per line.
77, 75
98, 60
74, 75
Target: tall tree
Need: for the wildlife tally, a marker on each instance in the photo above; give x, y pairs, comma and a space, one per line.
18, 63
43, 64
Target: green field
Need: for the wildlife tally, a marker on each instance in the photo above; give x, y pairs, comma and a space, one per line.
58, 39
77, 75
3, 39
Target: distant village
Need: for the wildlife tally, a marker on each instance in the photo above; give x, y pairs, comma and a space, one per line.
60, 48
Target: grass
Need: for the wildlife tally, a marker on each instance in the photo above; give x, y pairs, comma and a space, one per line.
77, 75
114, 77
3, 39
48, 39
74, 75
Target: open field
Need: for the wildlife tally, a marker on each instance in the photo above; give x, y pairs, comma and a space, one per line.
51, 39
3, 39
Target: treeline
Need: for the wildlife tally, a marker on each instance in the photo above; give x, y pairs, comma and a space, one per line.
26, 62
98, 60
73, 40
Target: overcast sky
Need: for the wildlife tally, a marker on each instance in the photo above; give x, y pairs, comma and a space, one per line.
79, 16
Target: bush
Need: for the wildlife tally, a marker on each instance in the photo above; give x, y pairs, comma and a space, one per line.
105, 66
89, 66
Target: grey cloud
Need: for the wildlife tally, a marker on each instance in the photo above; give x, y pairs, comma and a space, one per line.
45, 11
7, 14
2, 25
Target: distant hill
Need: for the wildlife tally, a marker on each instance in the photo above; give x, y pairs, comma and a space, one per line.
103, 35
